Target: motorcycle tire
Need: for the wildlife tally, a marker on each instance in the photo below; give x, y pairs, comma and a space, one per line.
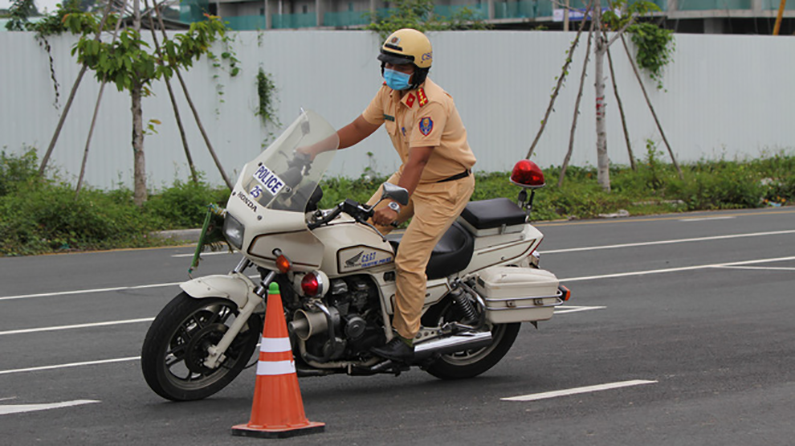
469, 363
173, 353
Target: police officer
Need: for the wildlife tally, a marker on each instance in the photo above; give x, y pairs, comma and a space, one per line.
427, 132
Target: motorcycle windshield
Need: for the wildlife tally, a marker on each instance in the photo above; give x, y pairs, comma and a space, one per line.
282, 178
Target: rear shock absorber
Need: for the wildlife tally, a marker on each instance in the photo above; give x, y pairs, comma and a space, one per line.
462, 300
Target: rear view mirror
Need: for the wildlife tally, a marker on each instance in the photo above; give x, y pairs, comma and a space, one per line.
396, 193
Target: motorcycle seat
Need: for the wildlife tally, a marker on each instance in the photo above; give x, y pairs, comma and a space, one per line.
451, 255
493, 213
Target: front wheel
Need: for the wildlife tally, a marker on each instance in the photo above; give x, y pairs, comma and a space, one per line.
175, 347
469, 363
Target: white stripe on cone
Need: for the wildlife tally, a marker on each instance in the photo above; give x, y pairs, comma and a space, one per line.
275, 345
271, 368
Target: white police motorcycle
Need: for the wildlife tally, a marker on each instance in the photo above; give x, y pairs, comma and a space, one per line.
336, 275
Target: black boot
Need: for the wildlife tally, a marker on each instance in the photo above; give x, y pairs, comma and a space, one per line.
397, 350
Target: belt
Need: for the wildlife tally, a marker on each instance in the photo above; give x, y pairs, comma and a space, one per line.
463, 174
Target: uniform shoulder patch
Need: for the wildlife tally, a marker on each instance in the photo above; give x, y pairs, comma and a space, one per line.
426, 126
423, 99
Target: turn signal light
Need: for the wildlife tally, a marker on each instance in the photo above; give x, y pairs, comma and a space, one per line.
282, 262
527, 174
566, 294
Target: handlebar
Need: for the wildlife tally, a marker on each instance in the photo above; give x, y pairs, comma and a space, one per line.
350, 207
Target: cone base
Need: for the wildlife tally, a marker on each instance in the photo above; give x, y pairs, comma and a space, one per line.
244, 430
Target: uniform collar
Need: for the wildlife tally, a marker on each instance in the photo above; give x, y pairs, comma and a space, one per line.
411, 97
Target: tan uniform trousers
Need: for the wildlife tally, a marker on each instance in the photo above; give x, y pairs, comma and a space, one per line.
434, 206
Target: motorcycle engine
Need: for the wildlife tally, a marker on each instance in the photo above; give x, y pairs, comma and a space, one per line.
355, 316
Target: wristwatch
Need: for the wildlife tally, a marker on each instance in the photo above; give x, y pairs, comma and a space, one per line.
394, 206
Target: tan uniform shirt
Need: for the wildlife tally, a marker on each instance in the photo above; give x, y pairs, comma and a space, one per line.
424, 117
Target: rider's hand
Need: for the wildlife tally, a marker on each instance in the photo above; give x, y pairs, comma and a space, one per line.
309, 151
384, 216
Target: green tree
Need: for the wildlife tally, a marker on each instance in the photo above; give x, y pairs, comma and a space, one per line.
18, 15
128, 63
419, 14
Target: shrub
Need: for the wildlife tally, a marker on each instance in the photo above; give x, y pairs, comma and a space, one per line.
38, 215
17, 170
44, 216
184, 204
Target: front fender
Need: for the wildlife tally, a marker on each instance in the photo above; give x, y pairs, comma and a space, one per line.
235, 286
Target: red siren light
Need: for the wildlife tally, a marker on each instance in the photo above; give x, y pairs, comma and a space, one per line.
310, 285
527, 174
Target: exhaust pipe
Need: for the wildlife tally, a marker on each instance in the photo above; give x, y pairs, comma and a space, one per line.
307, 324
452, 344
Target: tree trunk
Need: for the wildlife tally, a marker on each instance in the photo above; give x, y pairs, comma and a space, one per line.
621, 111
68, 105
194, 176
139, 162
651, 108
229, 184
561, 78
88, 141
94, 118
576, 109
602, 160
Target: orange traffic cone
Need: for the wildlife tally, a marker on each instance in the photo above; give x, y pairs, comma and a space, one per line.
278, 411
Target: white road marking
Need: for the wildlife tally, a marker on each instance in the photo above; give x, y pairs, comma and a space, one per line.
95, 290
554, 251
69, 327
578, 390
205, 254
759, 268
707, 218
670, 270
563, 309
74, 364
667, 242
20, 408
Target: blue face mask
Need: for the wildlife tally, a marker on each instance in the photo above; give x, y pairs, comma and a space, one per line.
396, 80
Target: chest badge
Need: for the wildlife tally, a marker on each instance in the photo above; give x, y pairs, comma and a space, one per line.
426, 126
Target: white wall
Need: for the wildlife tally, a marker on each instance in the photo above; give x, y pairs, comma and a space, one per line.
726, 96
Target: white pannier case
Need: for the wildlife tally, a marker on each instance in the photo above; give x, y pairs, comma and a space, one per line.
518, 294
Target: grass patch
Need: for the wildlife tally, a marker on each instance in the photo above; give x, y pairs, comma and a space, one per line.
43, 215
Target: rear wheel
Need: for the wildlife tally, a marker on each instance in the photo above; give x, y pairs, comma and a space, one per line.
469, 363
175, 347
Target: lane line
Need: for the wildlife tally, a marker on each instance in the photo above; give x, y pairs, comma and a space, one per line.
204, 254
667, 242
642, 219
21, 408
74, 364
671, 270
578, 390
759, 268
95, 290
563, 309
70, 327
707, 218
555, 251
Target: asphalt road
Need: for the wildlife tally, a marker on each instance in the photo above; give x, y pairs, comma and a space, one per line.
680, 331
